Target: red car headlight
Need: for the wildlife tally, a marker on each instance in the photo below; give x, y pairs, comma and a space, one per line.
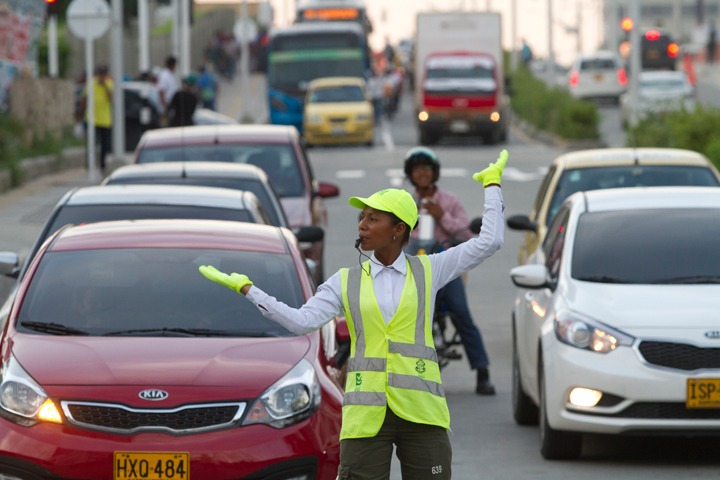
290, 400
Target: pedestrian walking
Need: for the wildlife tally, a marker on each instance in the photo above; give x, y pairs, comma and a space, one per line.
394, 394
183, 104
167, 85
208, 87
103, 88
711, 43
449, 225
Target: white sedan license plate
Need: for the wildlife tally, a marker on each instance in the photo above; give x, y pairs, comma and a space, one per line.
151, 466
459, 126
703, 393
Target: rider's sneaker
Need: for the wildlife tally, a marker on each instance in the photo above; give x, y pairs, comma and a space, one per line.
484, 386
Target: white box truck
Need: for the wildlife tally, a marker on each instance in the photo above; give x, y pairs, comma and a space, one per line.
458, 76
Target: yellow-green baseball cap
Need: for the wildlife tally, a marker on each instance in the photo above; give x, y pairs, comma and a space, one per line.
393, 200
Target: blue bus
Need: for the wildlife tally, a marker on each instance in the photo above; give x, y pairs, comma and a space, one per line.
301, 53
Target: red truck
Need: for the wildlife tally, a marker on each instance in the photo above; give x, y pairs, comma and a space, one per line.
460, 91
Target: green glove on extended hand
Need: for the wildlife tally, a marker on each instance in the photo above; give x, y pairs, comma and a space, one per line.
491, 175
234, 281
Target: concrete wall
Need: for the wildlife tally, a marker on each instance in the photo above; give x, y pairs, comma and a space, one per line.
43, 105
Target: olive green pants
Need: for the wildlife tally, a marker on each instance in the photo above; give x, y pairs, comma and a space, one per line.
424, 452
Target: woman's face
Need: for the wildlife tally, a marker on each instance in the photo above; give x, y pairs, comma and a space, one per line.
376, 229
421, 175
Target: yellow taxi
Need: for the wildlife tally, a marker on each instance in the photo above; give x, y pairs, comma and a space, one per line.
596, 169
338, 110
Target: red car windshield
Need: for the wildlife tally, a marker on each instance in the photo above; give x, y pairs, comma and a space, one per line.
153, 292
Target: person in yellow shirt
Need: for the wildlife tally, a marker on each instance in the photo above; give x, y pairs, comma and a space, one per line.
103, 99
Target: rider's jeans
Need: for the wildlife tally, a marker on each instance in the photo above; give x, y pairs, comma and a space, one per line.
453, 297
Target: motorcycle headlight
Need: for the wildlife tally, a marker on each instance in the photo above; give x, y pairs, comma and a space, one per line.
290, 400
22, 399
577, 331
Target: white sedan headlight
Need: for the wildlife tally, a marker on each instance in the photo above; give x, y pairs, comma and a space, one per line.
575, 330
291, 399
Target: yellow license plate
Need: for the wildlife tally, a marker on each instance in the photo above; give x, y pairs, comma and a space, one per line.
703, 393
151, 466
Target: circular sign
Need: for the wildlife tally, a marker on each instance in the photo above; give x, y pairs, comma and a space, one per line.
88, 19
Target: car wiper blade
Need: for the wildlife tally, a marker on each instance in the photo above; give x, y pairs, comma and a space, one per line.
601, 279
54, 328
690, 279
174, 332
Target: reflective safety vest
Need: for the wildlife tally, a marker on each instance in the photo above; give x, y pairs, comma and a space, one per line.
391, 365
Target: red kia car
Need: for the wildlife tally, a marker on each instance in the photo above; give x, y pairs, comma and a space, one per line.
121, 361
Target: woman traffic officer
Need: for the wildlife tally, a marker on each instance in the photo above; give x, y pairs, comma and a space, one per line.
394, 393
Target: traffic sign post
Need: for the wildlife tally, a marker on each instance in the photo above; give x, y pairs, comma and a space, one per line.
89, 19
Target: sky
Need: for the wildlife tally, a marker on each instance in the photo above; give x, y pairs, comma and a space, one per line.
395, 19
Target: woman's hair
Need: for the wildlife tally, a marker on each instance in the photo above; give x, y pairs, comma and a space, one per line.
395, 220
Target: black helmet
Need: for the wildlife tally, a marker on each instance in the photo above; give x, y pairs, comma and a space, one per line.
422, 156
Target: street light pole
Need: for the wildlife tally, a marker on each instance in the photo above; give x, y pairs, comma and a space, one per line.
634, 57
143, 33
550, 70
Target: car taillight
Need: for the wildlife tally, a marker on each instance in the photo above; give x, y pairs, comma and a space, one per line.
673, 49
622, 76
574, 78
652, 35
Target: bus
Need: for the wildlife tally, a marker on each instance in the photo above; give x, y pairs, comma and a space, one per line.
333, 11
300, 53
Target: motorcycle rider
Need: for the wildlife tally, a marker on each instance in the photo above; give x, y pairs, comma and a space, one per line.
449, 225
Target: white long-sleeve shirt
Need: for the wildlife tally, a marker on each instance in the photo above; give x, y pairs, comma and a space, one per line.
388, 281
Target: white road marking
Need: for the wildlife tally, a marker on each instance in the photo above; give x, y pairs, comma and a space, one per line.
387, 137
350, 174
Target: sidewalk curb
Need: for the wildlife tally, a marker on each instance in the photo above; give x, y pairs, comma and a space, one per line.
528, 132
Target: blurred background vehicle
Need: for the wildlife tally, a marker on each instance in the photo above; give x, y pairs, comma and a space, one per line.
602, 340
658, 51
126, 297
277, 149
460, 81
338, 110
598, 75
658, 91
595, 169
234, 176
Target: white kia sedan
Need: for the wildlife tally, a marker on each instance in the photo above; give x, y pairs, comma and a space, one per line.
616, 325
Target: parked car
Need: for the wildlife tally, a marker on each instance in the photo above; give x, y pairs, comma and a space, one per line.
338, 110
658, 92
597, 75
584, 170
614, 324
277, 149
214, 174
123, 361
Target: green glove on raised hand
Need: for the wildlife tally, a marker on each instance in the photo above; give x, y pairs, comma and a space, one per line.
491, 175
234, 281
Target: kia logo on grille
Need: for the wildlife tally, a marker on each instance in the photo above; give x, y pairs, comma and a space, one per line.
713, 334
153, 395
